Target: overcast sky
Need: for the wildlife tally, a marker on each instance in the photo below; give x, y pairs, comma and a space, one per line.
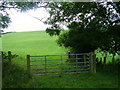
25, 21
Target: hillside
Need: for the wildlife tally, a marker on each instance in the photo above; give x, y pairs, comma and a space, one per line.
35, 43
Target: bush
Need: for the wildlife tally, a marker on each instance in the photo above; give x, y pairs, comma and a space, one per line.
14, 76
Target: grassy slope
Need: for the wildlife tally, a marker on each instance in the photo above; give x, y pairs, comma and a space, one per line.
33, 43
39, 43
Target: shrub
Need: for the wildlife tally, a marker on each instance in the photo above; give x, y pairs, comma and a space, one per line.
14, 76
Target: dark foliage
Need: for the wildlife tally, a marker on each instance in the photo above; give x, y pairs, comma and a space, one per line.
5, 56
92, 25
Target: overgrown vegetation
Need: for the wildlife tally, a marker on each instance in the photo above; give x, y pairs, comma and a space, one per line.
14, 76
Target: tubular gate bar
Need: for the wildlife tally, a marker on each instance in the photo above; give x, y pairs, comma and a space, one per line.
62, 64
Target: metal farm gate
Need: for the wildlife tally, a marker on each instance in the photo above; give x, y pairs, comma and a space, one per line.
62, 64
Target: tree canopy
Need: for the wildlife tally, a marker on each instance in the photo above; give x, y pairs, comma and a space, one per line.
92, 25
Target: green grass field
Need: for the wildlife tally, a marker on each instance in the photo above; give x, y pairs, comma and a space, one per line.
40, 43
33, 43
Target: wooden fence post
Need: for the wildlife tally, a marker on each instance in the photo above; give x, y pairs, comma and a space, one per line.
84, 59
76, 63
9, 56
92, 62
28, 63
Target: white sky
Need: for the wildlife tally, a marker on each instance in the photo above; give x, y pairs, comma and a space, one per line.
25, 22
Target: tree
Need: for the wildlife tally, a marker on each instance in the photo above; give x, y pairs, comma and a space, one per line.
91, 25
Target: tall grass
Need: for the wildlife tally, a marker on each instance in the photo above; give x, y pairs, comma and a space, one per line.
14, 76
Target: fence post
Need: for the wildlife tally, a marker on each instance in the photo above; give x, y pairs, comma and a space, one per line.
92, 62
28, 63
9, 56
76, 57
84, 59
91, 65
